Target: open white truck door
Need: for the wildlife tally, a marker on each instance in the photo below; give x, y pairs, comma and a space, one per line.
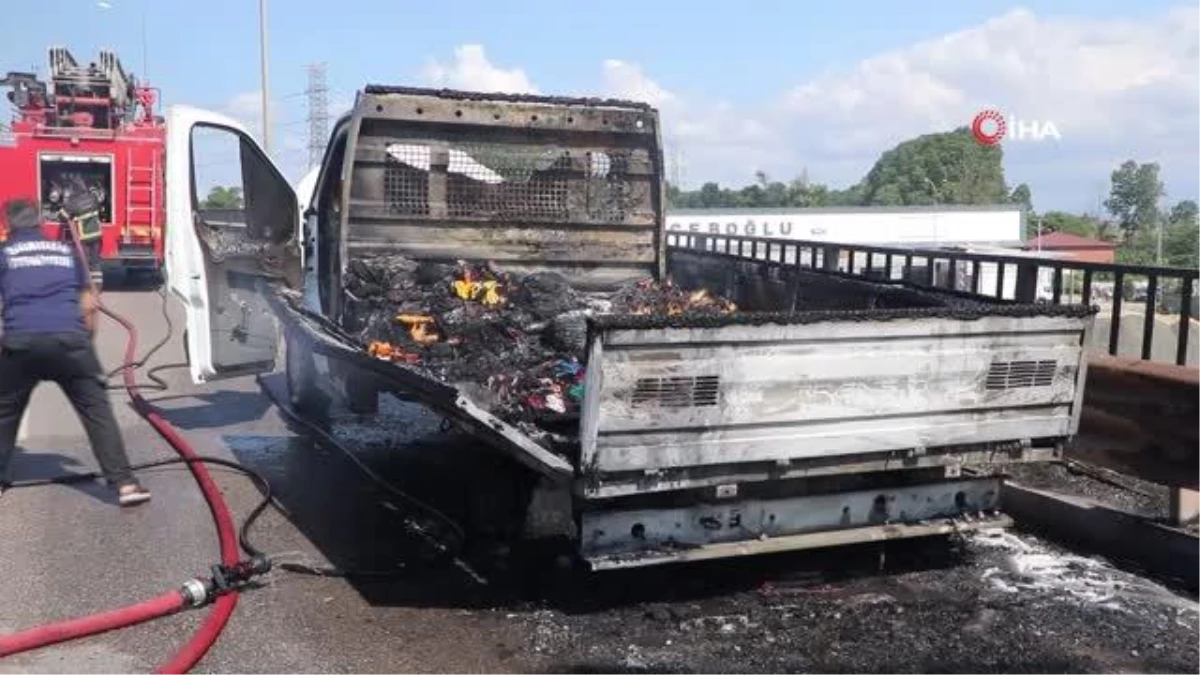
232, 231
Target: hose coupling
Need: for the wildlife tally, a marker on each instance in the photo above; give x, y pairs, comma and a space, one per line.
195, 593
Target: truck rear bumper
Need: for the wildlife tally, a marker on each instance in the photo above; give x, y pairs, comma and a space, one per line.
630, 538
799, 542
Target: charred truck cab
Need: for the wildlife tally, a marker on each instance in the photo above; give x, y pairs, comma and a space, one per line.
824, 411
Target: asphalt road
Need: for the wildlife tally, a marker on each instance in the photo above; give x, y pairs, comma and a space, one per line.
69, 551
999, 602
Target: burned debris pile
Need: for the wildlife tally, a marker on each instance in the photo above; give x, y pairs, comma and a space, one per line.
515, 343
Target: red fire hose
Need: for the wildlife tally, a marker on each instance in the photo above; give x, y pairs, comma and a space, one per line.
167, 603
62, 631
211, 629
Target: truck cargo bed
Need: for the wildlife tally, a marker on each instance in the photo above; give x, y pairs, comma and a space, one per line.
688, 401
821, 410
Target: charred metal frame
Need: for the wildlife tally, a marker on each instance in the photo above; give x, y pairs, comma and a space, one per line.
825, 256
589, 249
636, 537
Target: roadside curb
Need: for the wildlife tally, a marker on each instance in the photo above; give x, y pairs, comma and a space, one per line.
1097, 528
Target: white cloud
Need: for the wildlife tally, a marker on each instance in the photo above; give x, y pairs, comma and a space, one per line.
471, 70
1114, 88
289, 140
1092, 78
246, 108
626, 80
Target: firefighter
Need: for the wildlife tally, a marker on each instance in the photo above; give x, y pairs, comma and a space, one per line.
81, 211
49, 313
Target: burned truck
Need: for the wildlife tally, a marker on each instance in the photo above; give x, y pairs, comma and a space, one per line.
502, 261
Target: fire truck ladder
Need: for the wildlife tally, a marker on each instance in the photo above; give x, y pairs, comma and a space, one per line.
141, 203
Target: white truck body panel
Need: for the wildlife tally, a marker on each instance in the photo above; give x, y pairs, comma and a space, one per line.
687, 397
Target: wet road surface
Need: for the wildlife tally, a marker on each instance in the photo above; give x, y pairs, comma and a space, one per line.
995, 602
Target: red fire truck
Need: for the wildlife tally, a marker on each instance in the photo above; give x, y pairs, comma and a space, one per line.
94, 125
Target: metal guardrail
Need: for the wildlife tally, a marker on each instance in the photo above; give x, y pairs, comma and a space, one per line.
965, 271
224, 217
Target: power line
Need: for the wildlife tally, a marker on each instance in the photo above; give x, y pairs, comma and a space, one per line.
318, 113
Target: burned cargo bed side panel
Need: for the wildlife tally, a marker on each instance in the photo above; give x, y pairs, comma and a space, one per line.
733, 393
529, 183
321, 337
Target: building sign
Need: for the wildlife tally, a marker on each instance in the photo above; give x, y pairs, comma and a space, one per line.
853, 226
782, 226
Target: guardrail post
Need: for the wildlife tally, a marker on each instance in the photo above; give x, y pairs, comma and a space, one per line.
1027, 278
830, 257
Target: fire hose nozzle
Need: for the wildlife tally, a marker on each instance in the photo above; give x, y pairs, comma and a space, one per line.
225, 578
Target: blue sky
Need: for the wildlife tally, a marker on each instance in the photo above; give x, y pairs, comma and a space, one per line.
788, 87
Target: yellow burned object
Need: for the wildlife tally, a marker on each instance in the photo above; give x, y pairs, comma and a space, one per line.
484, 292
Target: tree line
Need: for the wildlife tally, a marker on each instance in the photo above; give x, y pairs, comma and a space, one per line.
953, 169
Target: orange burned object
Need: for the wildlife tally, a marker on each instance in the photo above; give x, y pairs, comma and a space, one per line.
675, 302
421, 328
385, 351
704, 299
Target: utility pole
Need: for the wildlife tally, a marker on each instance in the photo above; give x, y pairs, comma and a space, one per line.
1158, 243
266, 89
145, 60
318, 113
1158, 234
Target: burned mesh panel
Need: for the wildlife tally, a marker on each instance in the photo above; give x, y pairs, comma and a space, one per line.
511, 182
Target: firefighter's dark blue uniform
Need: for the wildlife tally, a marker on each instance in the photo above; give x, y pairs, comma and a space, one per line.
45, 338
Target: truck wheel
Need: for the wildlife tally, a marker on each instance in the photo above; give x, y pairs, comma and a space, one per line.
304, 394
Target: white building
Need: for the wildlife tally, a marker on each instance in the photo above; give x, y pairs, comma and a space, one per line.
915, 226
995, 230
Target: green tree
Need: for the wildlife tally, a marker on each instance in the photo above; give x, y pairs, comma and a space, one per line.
945, 168
710, 196
1181, 247
1061, 221
1185, 212
1139, 248
1133, 198
1022, 196
221, 197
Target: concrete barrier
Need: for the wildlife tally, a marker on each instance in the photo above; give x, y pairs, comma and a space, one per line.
1095, 528
1142, 418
